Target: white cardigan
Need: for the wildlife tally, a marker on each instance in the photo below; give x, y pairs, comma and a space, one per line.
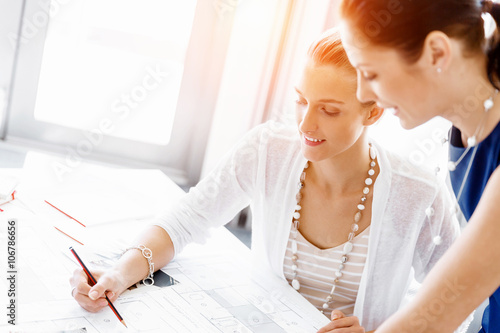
263, 171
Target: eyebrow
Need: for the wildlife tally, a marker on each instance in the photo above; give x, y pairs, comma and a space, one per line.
325, 100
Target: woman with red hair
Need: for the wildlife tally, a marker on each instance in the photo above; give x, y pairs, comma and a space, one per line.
431, 58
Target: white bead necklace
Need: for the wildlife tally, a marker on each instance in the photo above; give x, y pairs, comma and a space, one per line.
471, 143
452, 165
348, 246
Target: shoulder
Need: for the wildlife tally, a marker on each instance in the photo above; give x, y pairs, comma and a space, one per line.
267, 146
274, 137
278, 131
414, 192
491, 195
408, 181
403, 170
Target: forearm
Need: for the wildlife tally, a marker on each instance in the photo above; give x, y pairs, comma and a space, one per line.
464, 277
133, 267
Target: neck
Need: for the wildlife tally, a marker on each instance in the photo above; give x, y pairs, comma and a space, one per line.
343, 173
467, 112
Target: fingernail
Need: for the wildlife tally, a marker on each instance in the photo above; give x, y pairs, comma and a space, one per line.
103, 303
335, 317
93, 295
111, 294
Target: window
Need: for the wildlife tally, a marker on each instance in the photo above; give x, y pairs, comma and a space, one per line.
133, 82
151, 83
117, 61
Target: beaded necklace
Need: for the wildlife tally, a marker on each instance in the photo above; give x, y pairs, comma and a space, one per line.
348, 246
471, 144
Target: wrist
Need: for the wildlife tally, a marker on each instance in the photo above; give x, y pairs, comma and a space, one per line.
121, 281
141, 258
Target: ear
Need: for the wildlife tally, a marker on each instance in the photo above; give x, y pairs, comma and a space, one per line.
436, 52
373, 115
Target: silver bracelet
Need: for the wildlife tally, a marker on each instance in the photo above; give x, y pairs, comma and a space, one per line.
148, 254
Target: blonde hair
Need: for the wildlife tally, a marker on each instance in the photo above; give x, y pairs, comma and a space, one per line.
328, 50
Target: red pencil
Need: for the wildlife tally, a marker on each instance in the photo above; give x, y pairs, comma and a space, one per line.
94, 281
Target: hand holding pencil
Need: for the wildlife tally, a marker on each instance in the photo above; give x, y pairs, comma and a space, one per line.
95, 290
128, 270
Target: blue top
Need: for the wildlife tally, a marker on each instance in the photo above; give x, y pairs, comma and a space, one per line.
485, 162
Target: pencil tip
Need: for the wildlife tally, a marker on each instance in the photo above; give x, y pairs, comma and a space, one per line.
123, 322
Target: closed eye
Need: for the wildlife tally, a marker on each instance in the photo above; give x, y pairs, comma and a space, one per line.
330, 112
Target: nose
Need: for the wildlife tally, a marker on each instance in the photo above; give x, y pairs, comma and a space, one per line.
308, 121
364, 92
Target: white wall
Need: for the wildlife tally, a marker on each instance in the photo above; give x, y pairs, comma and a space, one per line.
258, 81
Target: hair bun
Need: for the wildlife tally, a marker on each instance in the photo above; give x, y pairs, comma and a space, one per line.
486, 6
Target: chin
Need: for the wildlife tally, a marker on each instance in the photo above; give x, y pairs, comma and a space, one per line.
310, 157
408, 125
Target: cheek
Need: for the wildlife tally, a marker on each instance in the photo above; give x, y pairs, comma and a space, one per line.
407, 87
386, 89
297, 111
346, 130
390, 85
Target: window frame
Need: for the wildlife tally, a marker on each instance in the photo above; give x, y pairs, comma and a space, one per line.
9, 26
182, 158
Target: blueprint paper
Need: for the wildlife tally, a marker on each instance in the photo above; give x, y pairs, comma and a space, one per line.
218, 291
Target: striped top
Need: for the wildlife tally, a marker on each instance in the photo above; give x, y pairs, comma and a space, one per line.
316, 271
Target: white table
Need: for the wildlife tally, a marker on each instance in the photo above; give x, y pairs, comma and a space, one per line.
218, 290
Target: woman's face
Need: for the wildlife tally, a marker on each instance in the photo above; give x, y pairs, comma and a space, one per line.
385, 77
329, 116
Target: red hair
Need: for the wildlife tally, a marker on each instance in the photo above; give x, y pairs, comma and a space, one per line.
328, 50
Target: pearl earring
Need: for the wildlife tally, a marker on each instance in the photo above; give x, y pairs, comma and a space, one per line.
439, 70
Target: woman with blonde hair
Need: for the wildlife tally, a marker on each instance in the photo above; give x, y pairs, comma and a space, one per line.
347, 224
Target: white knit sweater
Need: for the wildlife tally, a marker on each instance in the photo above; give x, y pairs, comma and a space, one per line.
263, 171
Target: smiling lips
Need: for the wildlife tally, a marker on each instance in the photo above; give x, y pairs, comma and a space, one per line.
312, 142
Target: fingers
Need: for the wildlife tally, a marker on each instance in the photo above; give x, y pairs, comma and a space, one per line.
105, 284
78, 276
79, 283
82, 290
347, 330
112, 296
337, 314
342, 324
